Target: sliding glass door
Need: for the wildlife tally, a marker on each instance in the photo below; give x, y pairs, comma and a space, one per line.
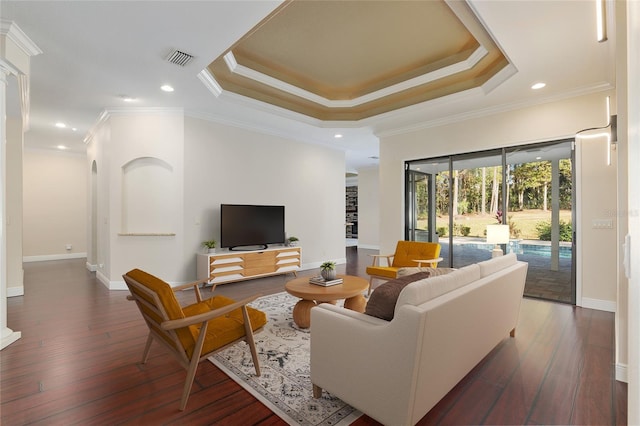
426, 205
476, 186
529, 188
540, 217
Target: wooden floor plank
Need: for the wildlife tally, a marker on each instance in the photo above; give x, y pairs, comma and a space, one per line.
78, 362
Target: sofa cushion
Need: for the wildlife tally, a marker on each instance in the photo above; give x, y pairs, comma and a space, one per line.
382, 302
422, 291
495, 264
434, 272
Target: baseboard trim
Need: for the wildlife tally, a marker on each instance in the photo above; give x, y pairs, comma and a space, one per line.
15, 291
368, 246
103, 279
47, 257
110, 285
8, 337
621, 373
90, 267
316, 265
598, 304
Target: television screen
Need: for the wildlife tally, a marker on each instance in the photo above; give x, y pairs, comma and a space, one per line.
251, 225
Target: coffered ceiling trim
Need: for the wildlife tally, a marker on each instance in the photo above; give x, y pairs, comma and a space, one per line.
259, 77
301, 59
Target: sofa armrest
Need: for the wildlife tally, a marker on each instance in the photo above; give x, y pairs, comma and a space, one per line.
348, 313
360, 358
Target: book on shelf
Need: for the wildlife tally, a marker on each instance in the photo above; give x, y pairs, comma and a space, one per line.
321, 281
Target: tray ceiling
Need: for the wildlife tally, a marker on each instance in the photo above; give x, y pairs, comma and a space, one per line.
349, 60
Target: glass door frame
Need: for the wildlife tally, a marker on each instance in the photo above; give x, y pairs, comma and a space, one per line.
411, 196
503, 152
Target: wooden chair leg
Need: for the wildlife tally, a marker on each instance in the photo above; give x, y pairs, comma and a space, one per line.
193, 366
191, 374
249, 337
147, 348
370, 286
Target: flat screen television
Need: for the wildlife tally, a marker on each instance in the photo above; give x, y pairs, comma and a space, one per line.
251, 225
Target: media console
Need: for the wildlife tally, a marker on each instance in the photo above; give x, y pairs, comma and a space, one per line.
233, 266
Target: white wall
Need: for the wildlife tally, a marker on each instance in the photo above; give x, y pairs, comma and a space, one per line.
368, 208
120, 140
54, 206
229, 165
211, 164
550, 121
596, 196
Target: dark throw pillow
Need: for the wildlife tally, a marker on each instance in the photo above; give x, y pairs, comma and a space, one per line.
382, 302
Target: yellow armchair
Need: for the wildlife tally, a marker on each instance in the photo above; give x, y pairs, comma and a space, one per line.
194, 332
407, 254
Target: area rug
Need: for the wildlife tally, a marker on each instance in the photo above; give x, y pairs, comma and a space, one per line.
284, 384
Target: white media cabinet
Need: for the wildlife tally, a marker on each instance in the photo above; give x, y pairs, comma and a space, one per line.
230, 266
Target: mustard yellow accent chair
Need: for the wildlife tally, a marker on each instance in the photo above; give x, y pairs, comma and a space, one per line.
194, 332
407, 254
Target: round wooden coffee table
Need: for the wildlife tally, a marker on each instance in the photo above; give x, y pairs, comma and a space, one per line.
311, 294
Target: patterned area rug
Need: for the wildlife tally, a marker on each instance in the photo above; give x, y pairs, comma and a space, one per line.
284, 385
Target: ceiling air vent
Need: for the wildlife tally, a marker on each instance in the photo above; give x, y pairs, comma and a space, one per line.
179, 58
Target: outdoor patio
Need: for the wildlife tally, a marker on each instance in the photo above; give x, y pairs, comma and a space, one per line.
541, 282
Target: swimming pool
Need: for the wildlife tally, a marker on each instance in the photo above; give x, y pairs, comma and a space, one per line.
519, 248
538, 250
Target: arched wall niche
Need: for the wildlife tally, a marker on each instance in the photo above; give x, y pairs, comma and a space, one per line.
149, 191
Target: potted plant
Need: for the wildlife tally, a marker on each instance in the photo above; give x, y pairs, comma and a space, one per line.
210, 245
292, 241
328, 270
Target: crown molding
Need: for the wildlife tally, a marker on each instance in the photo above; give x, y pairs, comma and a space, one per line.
13, 32
210, 82
109, 112
7, 68
215, 118
479, 113
143, 110
277, 84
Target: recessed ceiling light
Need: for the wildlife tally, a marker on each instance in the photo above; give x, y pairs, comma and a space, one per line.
127, 98
166, 88
60, 125
74, 129
61, 147
537, 86
337, 135
538, 158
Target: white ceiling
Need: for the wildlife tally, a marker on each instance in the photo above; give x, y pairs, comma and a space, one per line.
96, 51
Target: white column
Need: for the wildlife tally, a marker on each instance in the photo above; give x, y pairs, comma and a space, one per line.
8, 336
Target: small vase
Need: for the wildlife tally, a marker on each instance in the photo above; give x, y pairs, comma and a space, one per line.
328, 274
211, 250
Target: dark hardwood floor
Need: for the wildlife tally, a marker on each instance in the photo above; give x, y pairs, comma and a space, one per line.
78, 362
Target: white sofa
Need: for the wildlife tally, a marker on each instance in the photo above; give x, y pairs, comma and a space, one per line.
396, 371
